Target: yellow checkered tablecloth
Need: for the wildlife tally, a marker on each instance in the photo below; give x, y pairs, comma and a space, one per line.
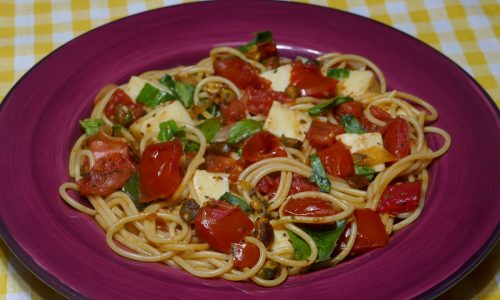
467, 31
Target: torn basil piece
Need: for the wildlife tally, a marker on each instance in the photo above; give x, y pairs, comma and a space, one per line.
91, 126
328, 104
319, 174
243, 129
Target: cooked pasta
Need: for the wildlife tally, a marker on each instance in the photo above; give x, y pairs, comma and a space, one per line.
251, 166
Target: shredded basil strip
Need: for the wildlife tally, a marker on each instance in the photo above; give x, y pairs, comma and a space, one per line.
367, 172
180, 91
351, 124
132, 189
338, 73
328, 104
169, 130
243, 129
235, 200
209, 128
91, 126
191, 146
260, 37
152, 96
319, 174
325, 238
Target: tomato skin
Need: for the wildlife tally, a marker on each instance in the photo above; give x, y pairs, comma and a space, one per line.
159, 170
371, 231
261, 146
268, 185
308, 207
233, 112
114, 108
354, 108
301, 184
311, 82
220, 224
337, 160
240, 73
245, 255
397, 138
379, 113
323, 134
260, 101
222, 164
400, 197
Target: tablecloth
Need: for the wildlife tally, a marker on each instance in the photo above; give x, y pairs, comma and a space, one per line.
466, 31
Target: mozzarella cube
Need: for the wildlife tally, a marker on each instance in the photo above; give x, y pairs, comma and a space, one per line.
359, 82
150, 123
279, 77
283, 121
357, 142
134, 86
209, 185
281, 240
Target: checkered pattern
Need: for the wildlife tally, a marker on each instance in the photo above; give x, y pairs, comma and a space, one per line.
467, 31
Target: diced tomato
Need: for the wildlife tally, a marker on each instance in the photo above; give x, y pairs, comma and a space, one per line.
159, 171
240, 73
301, 184
308, 207
322, 134
354, 108
400, 197
337, 160
397, 138
378, 113
371, 231
218, 163
268, 185
261, 146
122, 110
233, 112
311, 82
220, 224
260, 101
101, 146
245, 255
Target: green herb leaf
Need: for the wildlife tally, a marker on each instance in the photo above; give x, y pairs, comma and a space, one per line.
324, 237
235, 200
91, 126
191, 146
243, 129
338, 73
209, 128
132, 189
319, 174
214, 110
180, 91
351, 124
152, 96
368, 172
260, 37
328, 104
169, 130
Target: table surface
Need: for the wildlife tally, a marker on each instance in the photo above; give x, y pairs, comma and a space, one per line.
466, 31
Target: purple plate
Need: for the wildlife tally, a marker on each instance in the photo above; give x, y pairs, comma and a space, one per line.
39, 123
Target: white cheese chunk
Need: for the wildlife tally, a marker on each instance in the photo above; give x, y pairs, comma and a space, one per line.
279, 77
283, 121
209, 185
358, 83
134, 86
357, 142
281, 240
150, 123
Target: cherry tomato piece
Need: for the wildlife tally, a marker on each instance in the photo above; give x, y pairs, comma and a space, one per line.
311, 82
233, 112
322, 134
260, 101
379, 113
301, 184
240, 73
261, 146
221, 224
159, 171
122, 110
245, 255
337, 160
268, 185
308, 207
218, 163
397, 138
400, 197
371, 231
354, 108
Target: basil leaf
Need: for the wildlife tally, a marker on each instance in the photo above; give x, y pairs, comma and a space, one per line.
235, 200
132, 189
328, 104
338, 73
169, 130
152, 96
91, 126
191, 146
180, 91
319, 174
260, 37
351, 124
243, 129
214, 110
368, 172
209, 128
168, 81
325, 239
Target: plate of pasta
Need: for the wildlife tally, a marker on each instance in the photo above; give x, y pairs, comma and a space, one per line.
241, 156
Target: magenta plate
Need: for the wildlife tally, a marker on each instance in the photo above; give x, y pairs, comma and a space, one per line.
39, 123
